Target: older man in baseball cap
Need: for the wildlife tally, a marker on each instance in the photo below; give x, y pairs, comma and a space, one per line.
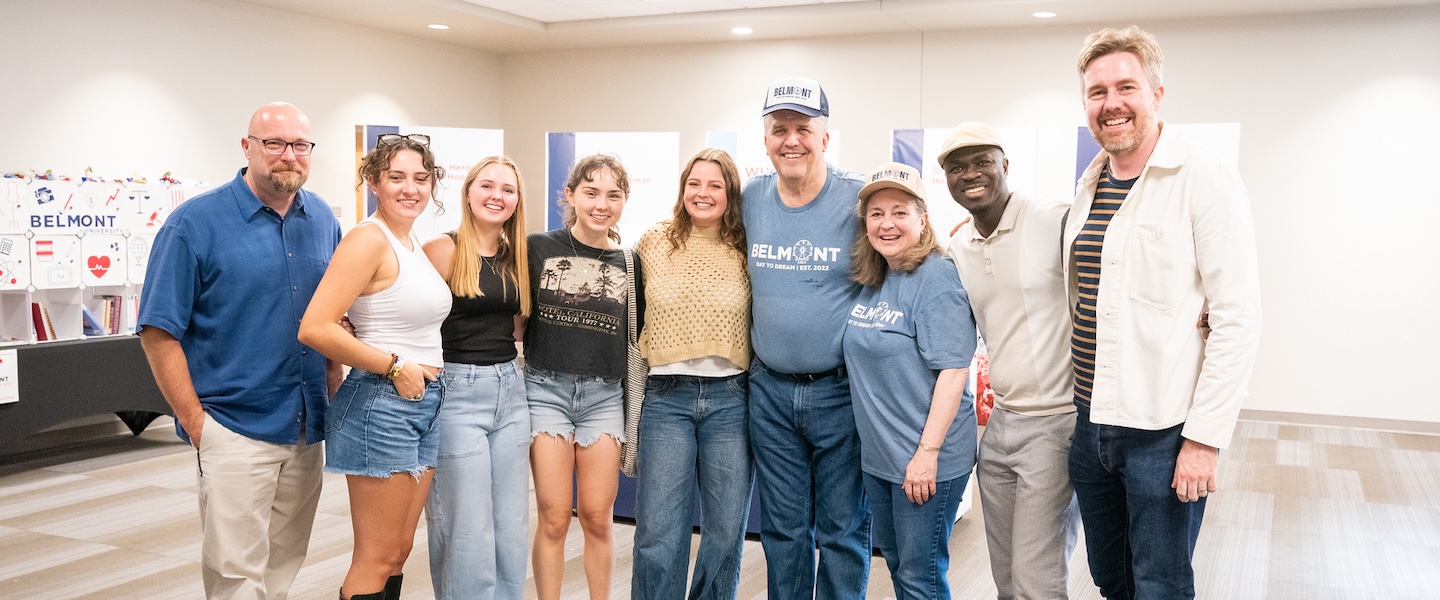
800, 222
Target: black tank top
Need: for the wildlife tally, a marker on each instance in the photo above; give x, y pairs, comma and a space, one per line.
481, 331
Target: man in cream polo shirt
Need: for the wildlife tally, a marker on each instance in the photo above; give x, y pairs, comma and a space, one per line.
1008, 255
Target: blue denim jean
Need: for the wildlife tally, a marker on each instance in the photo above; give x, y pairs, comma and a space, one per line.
807, 469
373, 432
1139, 537
478, 511
577, 407
692, 429
915, 539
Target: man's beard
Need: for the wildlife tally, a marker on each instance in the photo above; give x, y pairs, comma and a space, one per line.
1114, 143
287, 182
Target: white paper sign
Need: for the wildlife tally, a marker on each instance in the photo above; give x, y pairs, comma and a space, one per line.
9, 377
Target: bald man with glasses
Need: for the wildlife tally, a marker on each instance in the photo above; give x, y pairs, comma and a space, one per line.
231, 272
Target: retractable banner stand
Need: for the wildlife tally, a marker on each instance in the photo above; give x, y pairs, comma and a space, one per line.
920, 148
651, 159
747, 148
457, 149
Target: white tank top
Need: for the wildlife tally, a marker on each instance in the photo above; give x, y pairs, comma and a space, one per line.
405, 318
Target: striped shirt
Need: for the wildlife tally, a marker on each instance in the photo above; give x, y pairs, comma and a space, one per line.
1109, 194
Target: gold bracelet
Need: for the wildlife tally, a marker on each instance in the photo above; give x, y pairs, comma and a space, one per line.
928, 448
395, 364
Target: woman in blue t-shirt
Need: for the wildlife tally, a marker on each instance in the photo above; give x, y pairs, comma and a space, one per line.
908, 344
479, 505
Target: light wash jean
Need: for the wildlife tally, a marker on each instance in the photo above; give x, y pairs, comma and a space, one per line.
693, 429
478, 509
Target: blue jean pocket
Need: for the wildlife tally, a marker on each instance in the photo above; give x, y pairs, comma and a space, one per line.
659, 385
536, 376
340, 404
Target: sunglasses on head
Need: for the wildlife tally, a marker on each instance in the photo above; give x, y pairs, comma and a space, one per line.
391, 138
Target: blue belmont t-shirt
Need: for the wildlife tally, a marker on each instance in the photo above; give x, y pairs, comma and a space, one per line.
799, 261
898, 337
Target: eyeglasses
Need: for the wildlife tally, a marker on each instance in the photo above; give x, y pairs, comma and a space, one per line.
301, 148
391, 138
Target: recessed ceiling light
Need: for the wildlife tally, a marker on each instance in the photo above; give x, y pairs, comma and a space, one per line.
1044, 14
742, 31
438, 26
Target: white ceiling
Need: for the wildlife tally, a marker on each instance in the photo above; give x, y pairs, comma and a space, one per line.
554, 11
522, 26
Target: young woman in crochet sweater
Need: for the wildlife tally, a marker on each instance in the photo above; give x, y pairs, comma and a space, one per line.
694, 427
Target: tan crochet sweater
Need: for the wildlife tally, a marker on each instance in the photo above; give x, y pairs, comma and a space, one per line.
697, 300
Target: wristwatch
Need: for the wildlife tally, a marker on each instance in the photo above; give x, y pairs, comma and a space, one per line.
928, 448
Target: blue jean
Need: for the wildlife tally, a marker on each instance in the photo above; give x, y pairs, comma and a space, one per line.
577, 407
373, 432
478, 511
691, 428
807, 468
1139, 537
915, 539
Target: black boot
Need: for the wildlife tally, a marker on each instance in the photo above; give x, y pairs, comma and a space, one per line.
392, 586
380, 595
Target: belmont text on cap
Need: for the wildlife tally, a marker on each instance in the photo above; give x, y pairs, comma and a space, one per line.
798, 94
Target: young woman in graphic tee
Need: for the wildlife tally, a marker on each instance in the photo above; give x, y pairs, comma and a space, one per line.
479, 506
574, 362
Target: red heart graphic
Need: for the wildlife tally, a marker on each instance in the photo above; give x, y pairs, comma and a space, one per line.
99, 265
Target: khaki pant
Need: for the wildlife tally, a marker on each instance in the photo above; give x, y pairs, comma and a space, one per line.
1031, 522
257, 506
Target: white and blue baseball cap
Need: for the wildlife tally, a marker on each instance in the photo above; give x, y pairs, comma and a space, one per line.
799, 94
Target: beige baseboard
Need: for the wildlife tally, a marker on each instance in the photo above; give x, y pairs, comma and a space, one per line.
1391, 425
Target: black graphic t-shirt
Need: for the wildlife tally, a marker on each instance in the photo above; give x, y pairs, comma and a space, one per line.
578, 324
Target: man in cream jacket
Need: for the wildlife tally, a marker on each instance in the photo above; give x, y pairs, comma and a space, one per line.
1159, 232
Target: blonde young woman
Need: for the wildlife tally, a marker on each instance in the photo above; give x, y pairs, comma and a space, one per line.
694, 429
479, 507
379, 428
574, 362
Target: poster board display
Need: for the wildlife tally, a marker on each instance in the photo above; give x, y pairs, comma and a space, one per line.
652, 160
457, 149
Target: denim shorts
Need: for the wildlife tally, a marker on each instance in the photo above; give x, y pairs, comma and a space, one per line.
581, 407
371, 431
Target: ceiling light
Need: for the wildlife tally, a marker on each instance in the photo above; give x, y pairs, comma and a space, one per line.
438, 26
742, 31
1044, 14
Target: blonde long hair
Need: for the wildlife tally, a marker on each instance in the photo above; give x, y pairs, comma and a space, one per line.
465, 263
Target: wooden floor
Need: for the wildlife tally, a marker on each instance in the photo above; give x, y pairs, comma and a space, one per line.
1303, 512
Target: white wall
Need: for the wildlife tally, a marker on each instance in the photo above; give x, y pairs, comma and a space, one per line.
1340, 135
148, 86
1340, 118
